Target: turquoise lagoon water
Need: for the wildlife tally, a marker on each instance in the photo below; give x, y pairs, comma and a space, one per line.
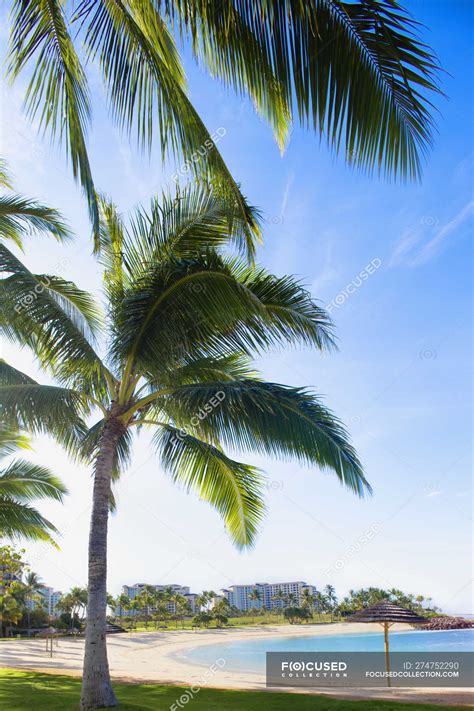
249, 655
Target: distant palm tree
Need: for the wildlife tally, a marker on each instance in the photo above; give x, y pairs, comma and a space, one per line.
255, 595
279, 597
32, 586
355, 72
135, 607
147, 600
74, 603
307, 600
123, 602
201, 602
183, 320
20, 483
319, 603
330, 594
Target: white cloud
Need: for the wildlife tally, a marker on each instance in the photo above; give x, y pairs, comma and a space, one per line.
437, 492
412, 249
286, 193
434, 245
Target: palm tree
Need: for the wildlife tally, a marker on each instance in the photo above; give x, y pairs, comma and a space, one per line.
330, 594
74, 602
32, 586
20, 483
147, 600
201, 602
319, 603
184, 318
255, 596
307, 600
182, 608
220, 612
10, 609
135, 607
123, 602
280, 598
355, 72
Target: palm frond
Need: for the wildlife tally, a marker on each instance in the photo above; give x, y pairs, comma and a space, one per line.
52, 316
355, 71
234, 489
275, 420
202, 370
20, 216
145, 82
11, 442
19, 520
290, 312
11, 376
162, 311
211, 306
24, 481
180, 225
111, 237
5, 177
45, 409
58, 89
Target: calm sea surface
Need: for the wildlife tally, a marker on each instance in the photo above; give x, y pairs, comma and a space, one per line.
249, 655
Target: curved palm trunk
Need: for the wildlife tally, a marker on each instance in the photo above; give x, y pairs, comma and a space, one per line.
97, 689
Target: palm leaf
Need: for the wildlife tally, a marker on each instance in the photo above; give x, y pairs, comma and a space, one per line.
355, 71
194, 219
11, 442
164, 310
275, 420
55, 318
145, 81
58, 89
234, 489
24, 481
20, 216
5, 177
45, 409
19, 520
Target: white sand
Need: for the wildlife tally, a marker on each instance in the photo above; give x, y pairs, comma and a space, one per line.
159, 657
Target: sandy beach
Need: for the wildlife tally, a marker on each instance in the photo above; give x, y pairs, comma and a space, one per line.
160, 657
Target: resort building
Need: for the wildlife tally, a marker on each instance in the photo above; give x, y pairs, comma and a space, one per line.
270, 595
132, 591
49, 599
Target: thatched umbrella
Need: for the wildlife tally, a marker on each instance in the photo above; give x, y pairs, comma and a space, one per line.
386, 614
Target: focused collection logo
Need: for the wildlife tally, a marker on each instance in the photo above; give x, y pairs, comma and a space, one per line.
312, 669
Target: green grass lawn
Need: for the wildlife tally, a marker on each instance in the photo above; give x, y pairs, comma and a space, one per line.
244, 621
47, 692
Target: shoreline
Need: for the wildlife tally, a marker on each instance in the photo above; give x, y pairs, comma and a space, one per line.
160, 658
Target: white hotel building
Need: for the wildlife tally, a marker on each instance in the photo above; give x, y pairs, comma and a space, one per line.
239, 595
132, 591
49, 600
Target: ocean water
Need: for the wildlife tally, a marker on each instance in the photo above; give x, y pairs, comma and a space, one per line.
249, 655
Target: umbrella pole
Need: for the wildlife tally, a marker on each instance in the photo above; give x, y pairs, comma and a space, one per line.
387, 651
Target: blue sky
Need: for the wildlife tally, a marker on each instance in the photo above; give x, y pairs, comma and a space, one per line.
400, 381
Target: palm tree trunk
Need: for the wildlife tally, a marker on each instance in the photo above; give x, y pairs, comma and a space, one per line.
97, 689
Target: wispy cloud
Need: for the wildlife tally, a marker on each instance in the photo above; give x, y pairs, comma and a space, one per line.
286, 194
412, 249
437, 492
